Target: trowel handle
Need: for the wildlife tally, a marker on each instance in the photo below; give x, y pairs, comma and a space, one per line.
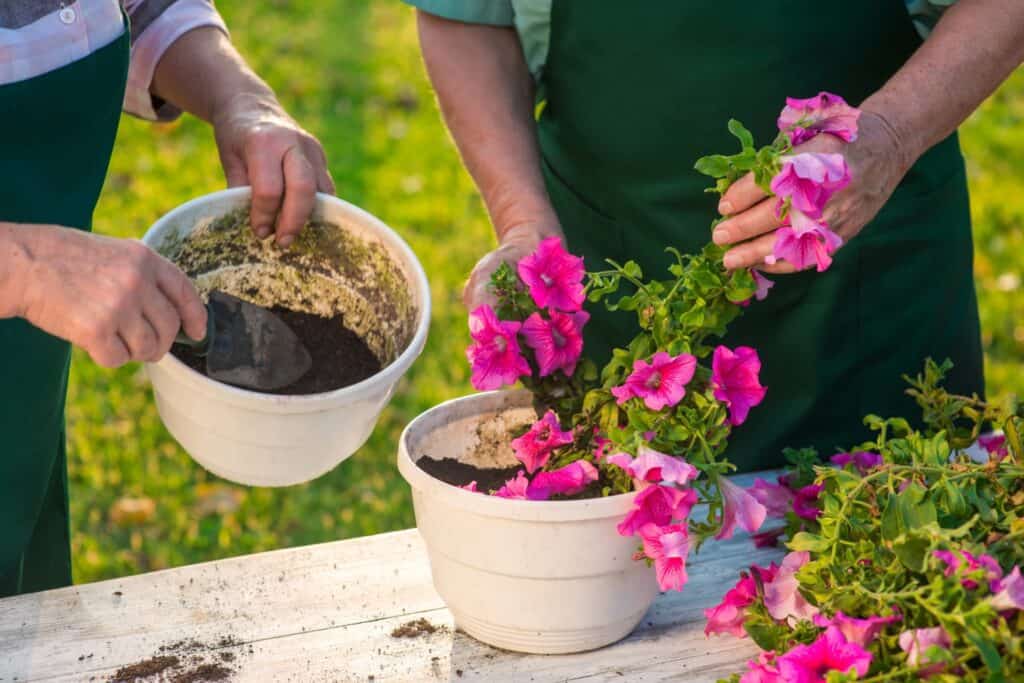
203, 345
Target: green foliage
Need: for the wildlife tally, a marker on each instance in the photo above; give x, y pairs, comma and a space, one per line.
727, 169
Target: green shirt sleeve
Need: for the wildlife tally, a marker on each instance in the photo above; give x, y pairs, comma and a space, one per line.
493, 12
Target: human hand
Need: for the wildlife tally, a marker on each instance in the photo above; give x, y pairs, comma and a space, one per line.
515, 243
115, 298
260, 145
877, 162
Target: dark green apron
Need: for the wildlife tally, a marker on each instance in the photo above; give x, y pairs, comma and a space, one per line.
56, 135
636, 92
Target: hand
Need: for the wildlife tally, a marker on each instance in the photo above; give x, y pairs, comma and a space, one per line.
515, 243
115, 298
260, 145
877, 164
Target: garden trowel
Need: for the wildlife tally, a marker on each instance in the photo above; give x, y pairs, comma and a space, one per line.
248, 346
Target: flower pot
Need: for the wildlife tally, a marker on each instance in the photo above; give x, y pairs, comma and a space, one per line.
545, 577
351, 264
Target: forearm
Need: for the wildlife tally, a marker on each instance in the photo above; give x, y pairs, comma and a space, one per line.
486, 97
203, 74
15, 255
974, 47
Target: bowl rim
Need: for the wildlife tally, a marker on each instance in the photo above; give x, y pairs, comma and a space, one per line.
492, 506
388, 376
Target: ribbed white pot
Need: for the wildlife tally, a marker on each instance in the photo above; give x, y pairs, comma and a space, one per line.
545, 577
268, 440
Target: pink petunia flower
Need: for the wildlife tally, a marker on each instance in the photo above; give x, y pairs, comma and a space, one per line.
804, 242
782, 595
994, 445
830, 652
863, 461
728, 615
805, 502
653, 466
777, 499
471, 487
557, 343
494, 353
801, 120
859, 631
515, 487
916, 643
962, 561
739, 507
764, 669
658, 505
566, 481
1009, 591
809, 180
668, 546
734, 378
601, 446
768, 539
763, 285
534, 448
554, 276
660, 383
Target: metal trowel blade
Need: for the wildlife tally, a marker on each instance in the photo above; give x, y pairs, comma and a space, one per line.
251, 347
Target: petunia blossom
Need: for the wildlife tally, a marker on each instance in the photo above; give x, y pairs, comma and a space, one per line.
768, 539
863, 461
728, 615
805, 501
471, 487
963, 561
668, 546
860, 631
1009, 591
534, 448
762, 283
515, 487
994, 445
739, 508
777, 499
808, 180
734, 379
494, 354
916, 642
830, 652
565, 481
782, 596
553, 276
802, 119
658, 505
764, 669
804, 242
557, 341
660, 383
653, 466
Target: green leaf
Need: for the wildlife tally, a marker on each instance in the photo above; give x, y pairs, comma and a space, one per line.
715, 165
989, 655
744, 135
808, 541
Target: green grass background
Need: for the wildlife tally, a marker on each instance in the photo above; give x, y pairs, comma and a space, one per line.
349, 70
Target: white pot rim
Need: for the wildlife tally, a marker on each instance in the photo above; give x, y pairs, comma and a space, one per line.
307, 403
492, 506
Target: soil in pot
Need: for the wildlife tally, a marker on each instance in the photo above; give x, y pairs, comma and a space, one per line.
340, 356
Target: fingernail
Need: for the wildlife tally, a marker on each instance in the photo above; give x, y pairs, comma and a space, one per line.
285, 241
724, 207
720, 236
262, 231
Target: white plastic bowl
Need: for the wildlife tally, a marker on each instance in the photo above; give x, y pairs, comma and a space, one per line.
545, 577
269, 440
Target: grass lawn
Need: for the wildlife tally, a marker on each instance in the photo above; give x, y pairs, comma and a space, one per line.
349, 70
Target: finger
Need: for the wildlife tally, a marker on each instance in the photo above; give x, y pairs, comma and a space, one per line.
757, 220
476, 290
743, 194
181, 293
299, 196
750, 254
778, 268
316, 156
263, 159
162, 317
112, 353
139, 336
234, 171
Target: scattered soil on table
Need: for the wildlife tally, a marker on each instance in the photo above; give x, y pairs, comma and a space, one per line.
203, 672
183, 661
451, 471
340, 356
415, 629
144, 669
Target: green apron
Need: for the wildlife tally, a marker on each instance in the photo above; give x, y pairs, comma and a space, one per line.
636, 92
56, 135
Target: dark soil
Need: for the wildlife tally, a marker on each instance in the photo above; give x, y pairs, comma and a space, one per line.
340, 356
203, 672
456, 473
183, 661
414, 629
145, 669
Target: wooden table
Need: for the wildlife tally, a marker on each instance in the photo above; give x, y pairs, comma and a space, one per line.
326, 613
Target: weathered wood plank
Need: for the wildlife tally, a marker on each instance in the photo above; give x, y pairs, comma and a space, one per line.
326, 612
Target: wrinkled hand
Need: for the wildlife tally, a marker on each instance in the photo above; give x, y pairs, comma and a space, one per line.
260, 145
115, 298
516, 242
877, 164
